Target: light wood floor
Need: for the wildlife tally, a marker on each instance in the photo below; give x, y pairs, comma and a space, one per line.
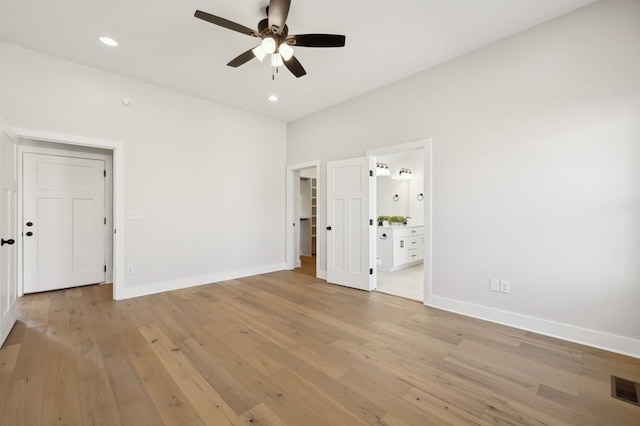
286, 348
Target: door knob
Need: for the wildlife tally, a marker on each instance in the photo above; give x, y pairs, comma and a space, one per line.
29, 223
28, 234
328, 228
9, 241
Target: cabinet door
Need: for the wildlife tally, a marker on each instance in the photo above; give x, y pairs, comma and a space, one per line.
400, 251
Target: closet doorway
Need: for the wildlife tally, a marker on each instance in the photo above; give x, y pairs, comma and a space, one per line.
303, 218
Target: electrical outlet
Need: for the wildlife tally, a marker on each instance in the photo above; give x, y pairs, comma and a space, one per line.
131, 269
494, 284
505, 287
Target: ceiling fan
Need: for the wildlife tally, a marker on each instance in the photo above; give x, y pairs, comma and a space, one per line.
275, 37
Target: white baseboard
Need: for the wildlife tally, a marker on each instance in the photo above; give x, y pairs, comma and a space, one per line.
596, 339
159, 287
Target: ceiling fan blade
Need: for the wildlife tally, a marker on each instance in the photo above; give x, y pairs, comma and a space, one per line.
317, 40
278, 12
242, 59
224, 23
295, 67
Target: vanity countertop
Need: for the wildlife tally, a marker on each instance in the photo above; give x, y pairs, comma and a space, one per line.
411, 225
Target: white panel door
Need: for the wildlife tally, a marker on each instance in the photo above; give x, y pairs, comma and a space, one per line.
350, 233
8, 230
64, 220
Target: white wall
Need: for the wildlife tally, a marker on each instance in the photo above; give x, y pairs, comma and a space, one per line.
536, 172
208, 179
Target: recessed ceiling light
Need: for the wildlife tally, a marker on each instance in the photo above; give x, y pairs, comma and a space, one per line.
108, 41
273, 98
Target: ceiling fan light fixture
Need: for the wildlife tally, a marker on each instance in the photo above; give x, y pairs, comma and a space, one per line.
286, 51
276, 60
269, 45
259, 52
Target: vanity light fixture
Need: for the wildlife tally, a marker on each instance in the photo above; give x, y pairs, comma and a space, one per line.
405, 174
382, 169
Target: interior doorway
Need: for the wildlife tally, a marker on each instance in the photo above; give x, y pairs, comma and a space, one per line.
403, 219
116, 150
303, 217
67, 216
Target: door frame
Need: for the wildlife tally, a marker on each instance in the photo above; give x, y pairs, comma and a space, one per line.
117, 207
425, 144
292, 221
108, 200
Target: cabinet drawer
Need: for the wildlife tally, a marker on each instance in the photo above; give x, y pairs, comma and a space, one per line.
414, 254
408, 232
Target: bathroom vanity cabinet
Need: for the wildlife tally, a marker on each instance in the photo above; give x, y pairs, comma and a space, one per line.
400, 246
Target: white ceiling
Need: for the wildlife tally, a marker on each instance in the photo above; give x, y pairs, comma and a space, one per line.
163, 44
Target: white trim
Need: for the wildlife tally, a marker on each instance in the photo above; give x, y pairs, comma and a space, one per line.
290, 261
597, 339
118, 191
178, 284
394, 149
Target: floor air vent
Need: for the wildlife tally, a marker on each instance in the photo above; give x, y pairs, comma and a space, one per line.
626, 390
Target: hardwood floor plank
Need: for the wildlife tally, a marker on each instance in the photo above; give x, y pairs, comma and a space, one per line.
127, 386
171, 404
443, 412
23, 402
9, 357
287, 349
261, 415
315, 400
16, 334
507, 367
241, 386
357, 404
211, 407
263, 364
60, 398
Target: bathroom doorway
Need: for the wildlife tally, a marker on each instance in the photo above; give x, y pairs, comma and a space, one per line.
400, 214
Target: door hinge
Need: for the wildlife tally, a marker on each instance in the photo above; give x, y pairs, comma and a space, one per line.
105, 220
105, 268
371, 173
105, 173
370, 221
370, 271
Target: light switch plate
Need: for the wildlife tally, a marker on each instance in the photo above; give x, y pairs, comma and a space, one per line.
134, 214
495, 284
505, 287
